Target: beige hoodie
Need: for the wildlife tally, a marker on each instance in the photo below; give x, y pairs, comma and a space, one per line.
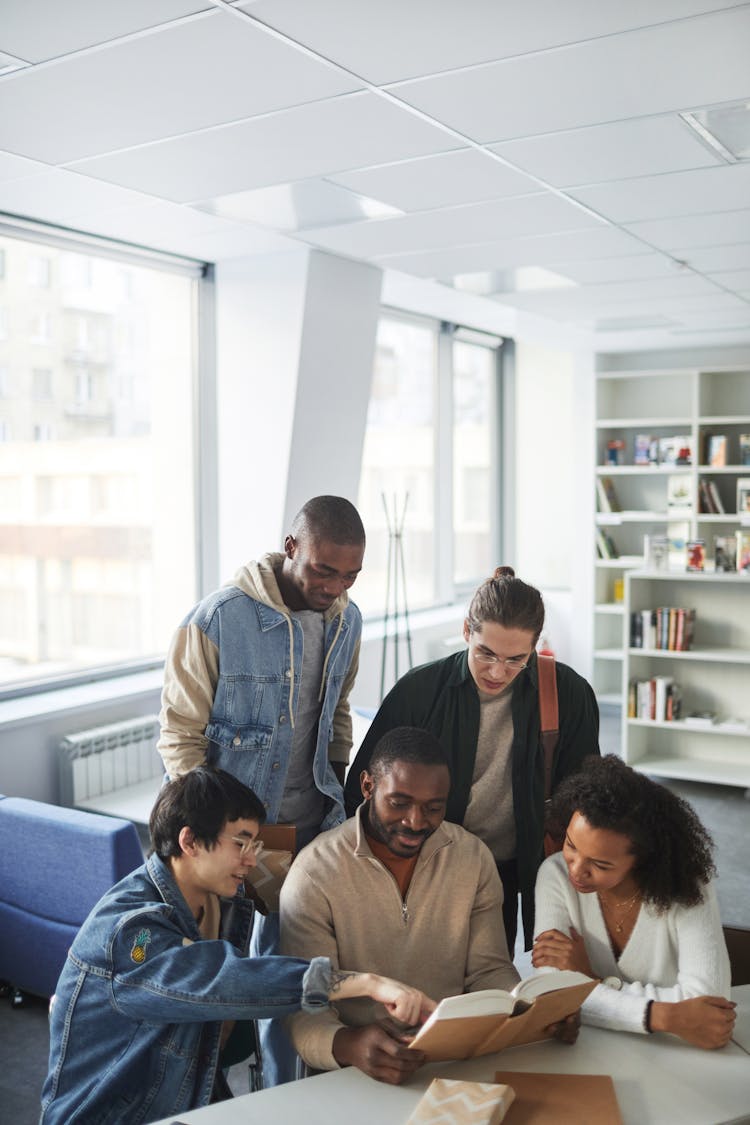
191, 673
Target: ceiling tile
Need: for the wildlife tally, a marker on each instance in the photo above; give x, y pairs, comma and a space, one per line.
694, 230
312, 140
616, 151
455, 226
43, 29
18, 167
603, 242
713, 259
57, 196
393, 40
635, 267
736, 280
189, 76
655, 70
446, 180
679, 193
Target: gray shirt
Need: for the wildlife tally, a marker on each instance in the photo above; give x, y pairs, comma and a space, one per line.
303, 804
489, 813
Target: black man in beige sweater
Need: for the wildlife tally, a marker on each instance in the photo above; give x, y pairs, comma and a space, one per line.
400, 890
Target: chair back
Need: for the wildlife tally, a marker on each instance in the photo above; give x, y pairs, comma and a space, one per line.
738, 947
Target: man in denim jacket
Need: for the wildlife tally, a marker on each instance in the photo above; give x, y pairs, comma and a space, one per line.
160, 967
257, 682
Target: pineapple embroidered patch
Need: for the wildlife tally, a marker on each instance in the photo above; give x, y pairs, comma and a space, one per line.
138, 952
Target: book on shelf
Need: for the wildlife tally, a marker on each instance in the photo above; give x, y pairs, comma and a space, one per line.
716, 501
655, 700
725, 553
645, 449
744, 449
742, 539
716, 449
478, 1023
656, 552
696, 554
676, 450
679, 496
678, 534
606, 495
605, 547
705, 503
743, 495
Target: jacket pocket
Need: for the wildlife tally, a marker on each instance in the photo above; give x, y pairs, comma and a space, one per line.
230, 737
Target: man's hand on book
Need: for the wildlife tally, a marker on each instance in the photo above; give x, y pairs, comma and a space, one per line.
555, 950
704, 1021
566, 1031
380, 1050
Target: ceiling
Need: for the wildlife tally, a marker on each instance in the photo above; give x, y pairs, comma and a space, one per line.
531, 151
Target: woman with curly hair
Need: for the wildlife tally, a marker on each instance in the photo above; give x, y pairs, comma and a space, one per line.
630, 900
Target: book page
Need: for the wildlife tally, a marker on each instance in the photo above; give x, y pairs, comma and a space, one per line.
486, 1002
547, 982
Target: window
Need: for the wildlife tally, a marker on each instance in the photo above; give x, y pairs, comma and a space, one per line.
429, 461
97, 547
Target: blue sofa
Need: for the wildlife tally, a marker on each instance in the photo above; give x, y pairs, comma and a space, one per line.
55, 864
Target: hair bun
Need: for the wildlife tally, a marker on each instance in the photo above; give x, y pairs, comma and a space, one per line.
504, 572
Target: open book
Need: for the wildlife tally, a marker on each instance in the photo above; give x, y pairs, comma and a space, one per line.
478, 1023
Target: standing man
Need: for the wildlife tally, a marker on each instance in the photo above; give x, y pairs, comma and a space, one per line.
257, 682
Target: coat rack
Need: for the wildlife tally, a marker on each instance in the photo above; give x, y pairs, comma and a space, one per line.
395, 588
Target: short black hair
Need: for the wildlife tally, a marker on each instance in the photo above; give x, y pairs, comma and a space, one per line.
203, 800
673, 851
330, 519
406, 744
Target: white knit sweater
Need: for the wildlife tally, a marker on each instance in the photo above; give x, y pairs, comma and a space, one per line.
669, 957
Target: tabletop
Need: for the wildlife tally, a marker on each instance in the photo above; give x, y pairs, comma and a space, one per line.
658, 1081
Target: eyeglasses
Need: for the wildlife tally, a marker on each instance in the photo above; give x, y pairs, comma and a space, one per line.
247, 846
512, 663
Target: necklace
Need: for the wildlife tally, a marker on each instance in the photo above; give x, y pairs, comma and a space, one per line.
627, 904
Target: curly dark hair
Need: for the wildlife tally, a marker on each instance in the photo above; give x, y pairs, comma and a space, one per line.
673, 851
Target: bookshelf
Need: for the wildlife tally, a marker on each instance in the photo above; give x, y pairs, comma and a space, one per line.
713, 676
663, 406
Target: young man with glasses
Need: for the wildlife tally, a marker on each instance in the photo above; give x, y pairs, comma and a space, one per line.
159, 971
483, 706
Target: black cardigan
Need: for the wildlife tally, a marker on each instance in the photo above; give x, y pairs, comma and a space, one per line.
442, 698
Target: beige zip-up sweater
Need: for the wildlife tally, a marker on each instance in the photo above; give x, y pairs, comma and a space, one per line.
445, 938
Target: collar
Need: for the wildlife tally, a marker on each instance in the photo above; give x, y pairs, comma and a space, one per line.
164, 881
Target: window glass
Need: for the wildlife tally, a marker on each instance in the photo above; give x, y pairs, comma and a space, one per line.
398, 463
97, 527
474, 412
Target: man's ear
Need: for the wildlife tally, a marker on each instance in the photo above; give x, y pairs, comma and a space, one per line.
290, 544
467, 630
187, 841
366, 784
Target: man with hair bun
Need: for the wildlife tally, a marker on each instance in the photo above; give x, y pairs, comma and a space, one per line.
257, 681
482, 704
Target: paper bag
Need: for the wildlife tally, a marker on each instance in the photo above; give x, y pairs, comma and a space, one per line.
462, 1103
561, 1099
268, 876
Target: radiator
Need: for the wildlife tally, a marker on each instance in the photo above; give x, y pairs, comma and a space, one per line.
107, 767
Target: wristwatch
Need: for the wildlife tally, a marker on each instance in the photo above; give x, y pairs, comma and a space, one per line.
613, 982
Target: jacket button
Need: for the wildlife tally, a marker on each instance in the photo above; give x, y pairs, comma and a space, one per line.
275, 765
282, 718
288, 673
236, 740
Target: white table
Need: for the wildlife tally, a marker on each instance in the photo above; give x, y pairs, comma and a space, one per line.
659, 1081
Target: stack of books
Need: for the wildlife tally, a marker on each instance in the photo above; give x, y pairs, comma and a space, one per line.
668, 627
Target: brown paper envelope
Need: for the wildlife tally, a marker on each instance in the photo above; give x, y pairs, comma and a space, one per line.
449, 1100
561, 1099
268, 876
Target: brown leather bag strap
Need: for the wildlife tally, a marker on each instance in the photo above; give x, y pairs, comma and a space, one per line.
549, 715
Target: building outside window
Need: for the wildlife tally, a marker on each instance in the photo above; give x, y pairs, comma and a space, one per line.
98, 521
430, 456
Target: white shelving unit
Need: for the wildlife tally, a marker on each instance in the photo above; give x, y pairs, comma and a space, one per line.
659, 403
714, 675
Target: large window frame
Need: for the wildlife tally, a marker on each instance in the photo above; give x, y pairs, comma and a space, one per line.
202, 391
447, 590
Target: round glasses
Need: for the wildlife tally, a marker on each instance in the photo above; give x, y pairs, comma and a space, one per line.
512, 663
247, 846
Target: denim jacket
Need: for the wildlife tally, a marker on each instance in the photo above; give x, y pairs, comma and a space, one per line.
231, 682
135, 1028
